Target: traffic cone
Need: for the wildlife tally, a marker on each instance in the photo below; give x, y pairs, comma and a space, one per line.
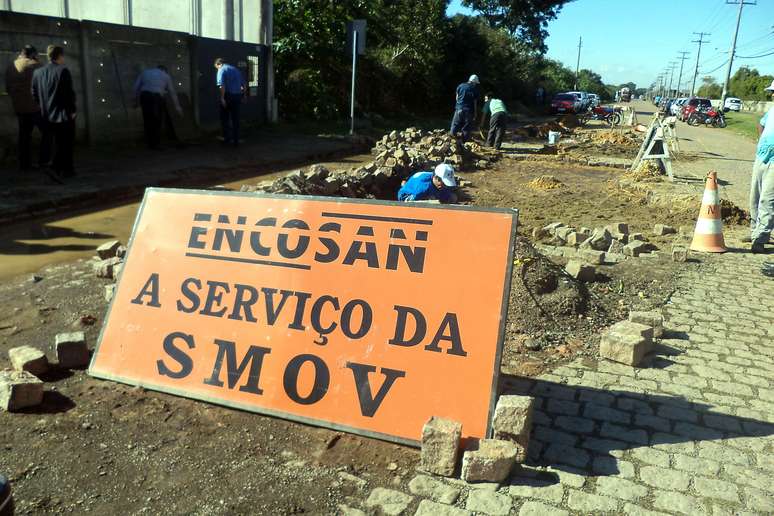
708, 236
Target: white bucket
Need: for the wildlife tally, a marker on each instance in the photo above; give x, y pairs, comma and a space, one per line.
553, 137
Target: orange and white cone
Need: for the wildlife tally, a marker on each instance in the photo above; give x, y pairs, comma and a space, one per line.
708, 236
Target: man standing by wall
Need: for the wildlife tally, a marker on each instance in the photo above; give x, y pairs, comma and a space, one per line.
465, 108
231, 87
762, 184
52, 88
150, 90
18, 83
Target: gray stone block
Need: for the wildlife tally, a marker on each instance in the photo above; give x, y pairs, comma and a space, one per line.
110, 291
654, 319
615, 247
679, 254
635, 248
19, 389
576, 239
551, 228
512, 421
626, 342
599, 240
440, 446
71, 350
490, 462
108, 249
581, 271
105, 268
636, 237
563, 232
662, 229
27, 358
618, 229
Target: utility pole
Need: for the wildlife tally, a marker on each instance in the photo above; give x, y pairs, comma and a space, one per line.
577, 65
672, 66
741, 3
700, 41
683, 57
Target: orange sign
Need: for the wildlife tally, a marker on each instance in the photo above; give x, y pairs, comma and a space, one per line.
364, 316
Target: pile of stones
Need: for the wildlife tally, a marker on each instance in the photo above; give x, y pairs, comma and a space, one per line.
108, 264
628, 342
397, 156
484, 460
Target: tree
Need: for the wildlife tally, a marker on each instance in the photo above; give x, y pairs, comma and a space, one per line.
709, 88
592, 82
523, 19
748, 84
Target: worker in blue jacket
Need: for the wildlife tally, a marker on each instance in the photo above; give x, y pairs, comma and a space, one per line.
425, 186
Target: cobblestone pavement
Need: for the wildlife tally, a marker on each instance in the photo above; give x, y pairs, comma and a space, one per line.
692, 432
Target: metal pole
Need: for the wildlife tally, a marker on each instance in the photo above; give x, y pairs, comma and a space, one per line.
577, 65
698, 55
731, 55
680, 76
354, 68
671, 75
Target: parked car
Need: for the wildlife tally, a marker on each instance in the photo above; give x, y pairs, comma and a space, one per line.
583, 97
565, 103
594, 100
692, 105
732, 104
677, 106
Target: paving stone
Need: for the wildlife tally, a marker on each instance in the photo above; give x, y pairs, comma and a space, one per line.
759, 500
430, 508
28, 358
540, 509
550, 435
714, 451
665, 478
575, 424
678, 413
651, 456
603, 413
569, 408
653, 318
559, 453
722, 422
677, 502
589, 503
636, 510
71, 350
620, 488
489, 502
108, 249
490, 462
19, 390
440, 446
391, 502
534, 488
654, 422
512, 421
626, 342
696, 465
581, 271
346, 510
632, 405
635, 436
611, 466
712, 488
569, 476
428, 487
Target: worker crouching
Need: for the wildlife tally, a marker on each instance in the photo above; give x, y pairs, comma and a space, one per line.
430, 186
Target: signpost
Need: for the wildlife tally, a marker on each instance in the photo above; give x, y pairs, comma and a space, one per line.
356, 38
364, 316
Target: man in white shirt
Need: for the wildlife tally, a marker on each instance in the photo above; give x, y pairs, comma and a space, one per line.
150, 90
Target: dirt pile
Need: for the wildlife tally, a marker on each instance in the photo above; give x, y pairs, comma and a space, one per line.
733, 214
649, 170
613, 138
397, 156
545, 183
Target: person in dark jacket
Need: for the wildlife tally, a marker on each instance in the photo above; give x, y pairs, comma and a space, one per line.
52, 88
465, 108
18, 84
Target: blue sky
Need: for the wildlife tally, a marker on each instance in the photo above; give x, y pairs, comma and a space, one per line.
635, 41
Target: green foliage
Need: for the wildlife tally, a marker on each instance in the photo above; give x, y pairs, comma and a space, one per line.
592, 83
748, 84
709, 88
526, 20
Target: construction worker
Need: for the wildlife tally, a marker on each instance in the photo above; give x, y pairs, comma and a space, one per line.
150, 91
465, 108
231, 88
494, 108
762, 183
427, 186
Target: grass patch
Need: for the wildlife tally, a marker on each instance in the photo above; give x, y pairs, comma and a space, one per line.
744, 123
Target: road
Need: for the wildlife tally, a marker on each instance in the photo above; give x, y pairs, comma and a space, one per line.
704, 149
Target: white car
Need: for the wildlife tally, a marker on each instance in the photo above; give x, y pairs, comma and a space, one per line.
677, 105
732, 104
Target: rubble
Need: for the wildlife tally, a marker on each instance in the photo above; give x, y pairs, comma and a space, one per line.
512, 421
19, 389
599, 240
106, 268
108, 249
635, 248
71, 350
27, 358
397, 156
440, 446
679, 254
490, 462
626, 342
662, 229
110, 291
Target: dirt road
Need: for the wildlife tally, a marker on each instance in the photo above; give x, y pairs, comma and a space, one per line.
704, 149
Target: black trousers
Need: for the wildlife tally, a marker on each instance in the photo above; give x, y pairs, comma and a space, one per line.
497, 123
64, 139
27, 122
229, 118
153, 108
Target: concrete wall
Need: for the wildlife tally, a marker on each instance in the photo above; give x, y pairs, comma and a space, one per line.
105, 60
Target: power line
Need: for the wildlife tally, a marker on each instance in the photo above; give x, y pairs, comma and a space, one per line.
700, 41
757, 57
731, 53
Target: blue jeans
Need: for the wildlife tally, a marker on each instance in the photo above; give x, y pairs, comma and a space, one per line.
462, 123
762, 202
229, 118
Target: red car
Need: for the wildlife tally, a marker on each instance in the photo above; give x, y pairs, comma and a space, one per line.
564, 103
692, 105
